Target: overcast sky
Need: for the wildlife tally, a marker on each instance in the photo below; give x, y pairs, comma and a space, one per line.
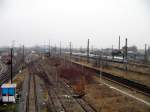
33, 22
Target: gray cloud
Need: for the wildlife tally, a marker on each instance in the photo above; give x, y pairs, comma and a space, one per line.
38, 21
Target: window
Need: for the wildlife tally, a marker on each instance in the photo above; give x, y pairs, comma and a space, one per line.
11, 91
4, 91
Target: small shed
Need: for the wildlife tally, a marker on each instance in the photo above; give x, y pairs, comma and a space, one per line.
8, 92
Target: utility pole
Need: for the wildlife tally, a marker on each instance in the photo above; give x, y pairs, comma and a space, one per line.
44, 48
70, 51
126, 54
49, 49
81, 53
119, 43
11, 59
55, 49
145, 56
112, 52
126, 49
64, 60
88, 51
101, 67
23, 54
60, 48
92, 49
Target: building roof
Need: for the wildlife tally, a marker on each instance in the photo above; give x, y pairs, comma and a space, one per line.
8, 86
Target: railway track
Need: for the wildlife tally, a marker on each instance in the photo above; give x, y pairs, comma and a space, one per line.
68, 90
57, 102
54, 101
85, 106
119, 64
50, 104
130, 62
31, 103
141, 88
27, 97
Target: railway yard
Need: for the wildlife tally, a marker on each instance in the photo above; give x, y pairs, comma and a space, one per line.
74, 56
54, 84
138, 73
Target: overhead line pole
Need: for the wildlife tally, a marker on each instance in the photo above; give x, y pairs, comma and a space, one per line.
55, 49
126, 49
70, 51
119, 43
112, 52
88, 51
60, 48
145, 56
23, 55
49, 49
11, 61
11, 68
126, 53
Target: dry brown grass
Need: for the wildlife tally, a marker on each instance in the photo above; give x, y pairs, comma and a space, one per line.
20, 78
